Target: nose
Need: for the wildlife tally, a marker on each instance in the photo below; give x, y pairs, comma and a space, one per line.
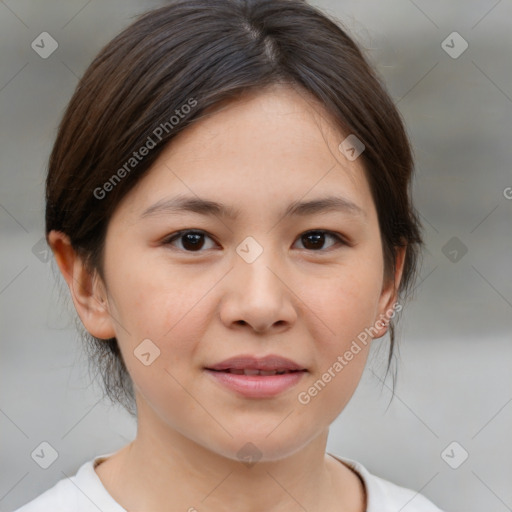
257, 296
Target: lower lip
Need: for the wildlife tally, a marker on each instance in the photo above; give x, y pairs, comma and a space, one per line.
257, 386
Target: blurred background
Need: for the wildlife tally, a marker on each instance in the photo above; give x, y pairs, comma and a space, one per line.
447, 431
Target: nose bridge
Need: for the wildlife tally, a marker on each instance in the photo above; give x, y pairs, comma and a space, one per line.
256, 266
257, 294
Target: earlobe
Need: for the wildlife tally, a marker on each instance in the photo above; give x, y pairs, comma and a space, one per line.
87, 289
389, 294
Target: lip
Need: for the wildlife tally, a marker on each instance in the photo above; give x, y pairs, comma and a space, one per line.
257, 386
267, 363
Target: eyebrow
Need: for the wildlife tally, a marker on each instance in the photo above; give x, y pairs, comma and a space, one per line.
182, 204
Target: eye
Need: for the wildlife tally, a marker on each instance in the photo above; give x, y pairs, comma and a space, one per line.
192, 240
314, 240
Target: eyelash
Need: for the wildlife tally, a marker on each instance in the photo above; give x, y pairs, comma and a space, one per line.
175, 236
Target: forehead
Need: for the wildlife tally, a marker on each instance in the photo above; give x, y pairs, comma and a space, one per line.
278, 120
276, 146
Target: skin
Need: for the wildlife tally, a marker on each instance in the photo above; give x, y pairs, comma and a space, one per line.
200, 307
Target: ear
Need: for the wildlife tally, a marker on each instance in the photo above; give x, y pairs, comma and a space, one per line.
87, 290
389, 294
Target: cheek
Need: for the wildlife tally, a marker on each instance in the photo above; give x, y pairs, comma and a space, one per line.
156, 298
347, 305
342, 351
174, 319
347, 302
157, 303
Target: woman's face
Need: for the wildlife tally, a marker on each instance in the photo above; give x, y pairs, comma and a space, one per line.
250, 280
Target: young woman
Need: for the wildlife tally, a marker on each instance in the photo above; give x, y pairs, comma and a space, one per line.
228, 200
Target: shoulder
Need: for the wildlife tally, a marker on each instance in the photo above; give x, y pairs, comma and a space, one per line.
82, 492
60, 498
385, 496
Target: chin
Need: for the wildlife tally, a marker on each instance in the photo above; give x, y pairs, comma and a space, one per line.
250, 446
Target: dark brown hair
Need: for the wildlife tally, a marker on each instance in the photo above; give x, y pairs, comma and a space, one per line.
201, 53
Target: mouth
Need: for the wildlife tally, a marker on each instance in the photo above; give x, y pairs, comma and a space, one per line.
254, 377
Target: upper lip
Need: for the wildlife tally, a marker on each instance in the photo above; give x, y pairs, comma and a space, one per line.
248, 362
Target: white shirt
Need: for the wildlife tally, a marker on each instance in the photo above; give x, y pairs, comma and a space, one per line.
85, 492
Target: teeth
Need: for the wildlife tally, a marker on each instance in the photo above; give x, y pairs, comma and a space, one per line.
251, 372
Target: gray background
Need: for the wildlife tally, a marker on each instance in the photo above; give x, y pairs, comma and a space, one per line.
454, 380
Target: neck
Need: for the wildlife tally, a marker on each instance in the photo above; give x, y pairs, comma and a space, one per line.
164, 470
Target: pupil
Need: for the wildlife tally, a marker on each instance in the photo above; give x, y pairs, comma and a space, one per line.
318, 240
194, 241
